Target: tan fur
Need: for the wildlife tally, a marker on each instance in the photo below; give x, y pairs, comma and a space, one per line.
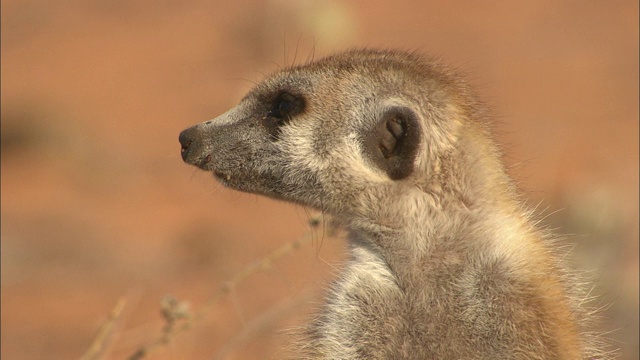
446, 261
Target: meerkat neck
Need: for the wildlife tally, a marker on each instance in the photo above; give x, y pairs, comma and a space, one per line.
449, 238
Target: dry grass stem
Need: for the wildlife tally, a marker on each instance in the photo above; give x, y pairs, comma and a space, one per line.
262, 323
98, 347
177, 317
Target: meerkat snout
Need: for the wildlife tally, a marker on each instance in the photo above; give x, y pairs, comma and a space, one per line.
446, 261
193, 147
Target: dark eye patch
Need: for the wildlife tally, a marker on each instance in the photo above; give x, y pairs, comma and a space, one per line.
282, 109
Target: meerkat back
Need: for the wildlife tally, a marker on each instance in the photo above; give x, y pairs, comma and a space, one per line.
445, 260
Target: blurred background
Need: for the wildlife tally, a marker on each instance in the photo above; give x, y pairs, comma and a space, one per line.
97, 206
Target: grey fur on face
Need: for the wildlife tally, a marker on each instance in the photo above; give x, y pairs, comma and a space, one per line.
446, 261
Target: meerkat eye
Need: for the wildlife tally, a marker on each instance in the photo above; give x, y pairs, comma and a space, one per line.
285, 106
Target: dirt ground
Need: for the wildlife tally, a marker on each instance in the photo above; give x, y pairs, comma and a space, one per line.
98, 208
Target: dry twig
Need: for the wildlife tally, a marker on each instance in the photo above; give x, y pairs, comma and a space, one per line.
176, 314
101, 342
261, 323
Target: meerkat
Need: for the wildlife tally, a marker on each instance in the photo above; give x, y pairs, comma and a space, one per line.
446, 261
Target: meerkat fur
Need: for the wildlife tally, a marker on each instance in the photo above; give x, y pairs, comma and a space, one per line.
446, 261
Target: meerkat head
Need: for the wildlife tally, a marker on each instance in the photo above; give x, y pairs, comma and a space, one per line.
349, 133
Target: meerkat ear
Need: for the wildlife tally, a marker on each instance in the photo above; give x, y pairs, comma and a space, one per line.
393, 143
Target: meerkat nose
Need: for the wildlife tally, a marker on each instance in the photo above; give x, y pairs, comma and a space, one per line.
185, 142
190, 145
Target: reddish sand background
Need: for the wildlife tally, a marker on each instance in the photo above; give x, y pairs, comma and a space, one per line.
97, 205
